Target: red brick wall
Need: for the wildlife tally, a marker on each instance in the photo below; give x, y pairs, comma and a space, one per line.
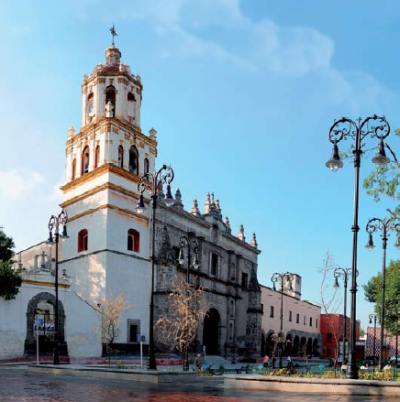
331, 333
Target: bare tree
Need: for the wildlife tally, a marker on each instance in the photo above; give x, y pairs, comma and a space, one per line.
185, 310
111, 310
330, 300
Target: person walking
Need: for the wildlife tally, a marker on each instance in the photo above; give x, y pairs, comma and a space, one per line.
289, 363
197, 362
266, 361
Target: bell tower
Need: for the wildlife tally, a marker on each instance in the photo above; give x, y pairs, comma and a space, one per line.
112, 91
108, 249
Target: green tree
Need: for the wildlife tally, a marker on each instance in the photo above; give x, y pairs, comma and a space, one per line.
10, 281
373, 294
385, 180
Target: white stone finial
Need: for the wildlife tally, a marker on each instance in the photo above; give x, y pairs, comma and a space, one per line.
153, 133
227, 223
207, 204
195, 208
254, 241
71, 132
241, 235
218, 206
178, 199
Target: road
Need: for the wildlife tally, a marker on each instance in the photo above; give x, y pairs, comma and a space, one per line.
18, 385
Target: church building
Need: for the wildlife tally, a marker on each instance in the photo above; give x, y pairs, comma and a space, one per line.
107, 252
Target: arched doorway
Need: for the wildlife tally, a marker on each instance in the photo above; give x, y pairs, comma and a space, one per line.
289, 345
315, 348
296, 345
263, 344
270, 343
43, 305
303, 345
211, 332
309, 347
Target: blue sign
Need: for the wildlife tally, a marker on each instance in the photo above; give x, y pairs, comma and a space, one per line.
142, 338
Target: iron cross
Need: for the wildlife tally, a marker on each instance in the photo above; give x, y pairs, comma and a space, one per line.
113, 34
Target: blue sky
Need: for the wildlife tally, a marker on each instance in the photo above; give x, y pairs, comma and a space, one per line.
242, 95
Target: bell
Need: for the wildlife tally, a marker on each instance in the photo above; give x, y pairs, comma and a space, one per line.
380, 158
64, 232
334, 163
50, 240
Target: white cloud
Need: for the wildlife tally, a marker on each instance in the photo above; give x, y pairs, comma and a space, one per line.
254, 45
15, 185
56, 194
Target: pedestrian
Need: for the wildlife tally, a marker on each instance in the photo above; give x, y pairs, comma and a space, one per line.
266, 361
343, 367
197, 362
289, 363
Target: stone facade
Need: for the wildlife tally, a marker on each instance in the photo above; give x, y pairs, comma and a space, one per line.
227, 272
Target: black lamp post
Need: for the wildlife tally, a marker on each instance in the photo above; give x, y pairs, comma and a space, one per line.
154, 182
384, 226
275, 278
343, 272
397, 335
342, 129
372, 318
192, 245
55, 223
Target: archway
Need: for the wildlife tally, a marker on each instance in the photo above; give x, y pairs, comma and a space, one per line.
303, 345
289, 345
270, 343
44, 303
211, 332
263, 352
315, 348
296, 345
309, 347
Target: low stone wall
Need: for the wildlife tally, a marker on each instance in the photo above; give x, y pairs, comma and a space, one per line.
313, 385
118, 374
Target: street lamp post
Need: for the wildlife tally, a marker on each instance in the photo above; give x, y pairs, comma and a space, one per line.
372, 318
343, 272
154, 182
342, 129
192, 245
275, 278
55, 223
384, 226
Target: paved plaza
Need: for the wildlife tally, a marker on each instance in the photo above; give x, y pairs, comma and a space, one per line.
19, 385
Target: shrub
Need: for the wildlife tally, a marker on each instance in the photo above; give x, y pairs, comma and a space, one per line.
10, 281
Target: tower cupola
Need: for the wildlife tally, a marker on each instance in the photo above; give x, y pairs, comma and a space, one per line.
113, 56
111, 90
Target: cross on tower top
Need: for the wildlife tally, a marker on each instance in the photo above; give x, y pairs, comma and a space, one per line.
113, 34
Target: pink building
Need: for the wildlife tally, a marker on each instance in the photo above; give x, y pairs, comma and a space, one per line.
389, 344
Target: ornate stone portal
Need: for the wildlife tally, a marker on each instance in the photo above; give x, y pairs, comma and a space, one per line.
45, 340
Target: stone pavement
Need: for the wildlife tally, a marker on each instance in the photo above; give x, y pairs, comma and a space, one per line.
18, 385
